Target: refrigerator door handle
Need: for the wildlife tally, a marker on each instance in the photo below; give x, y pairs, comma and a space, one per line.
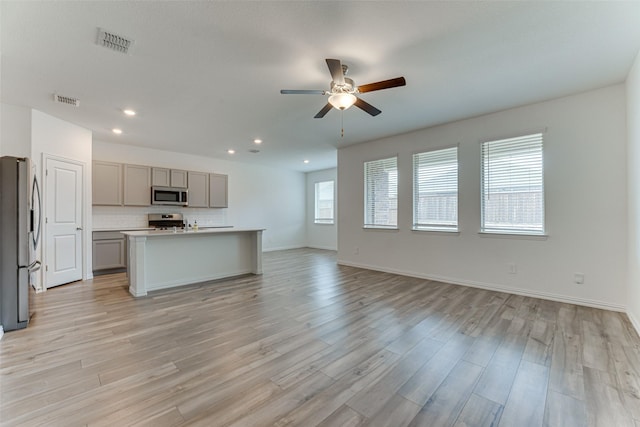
36, 229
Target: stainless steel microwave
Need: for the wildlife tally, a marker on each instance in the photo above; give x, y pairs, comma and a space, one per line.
169, 196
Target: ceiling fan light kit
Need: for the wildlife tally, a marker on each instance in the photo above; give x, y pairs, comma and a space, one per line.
342, 94
342, 101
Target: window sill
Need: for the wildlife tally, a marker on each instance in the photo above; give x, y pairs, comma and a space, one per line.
443, 231
324, 223
507, 235
380, 227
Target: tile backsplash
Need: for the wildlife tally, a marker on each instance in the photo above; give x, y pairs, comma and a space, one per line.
115, 217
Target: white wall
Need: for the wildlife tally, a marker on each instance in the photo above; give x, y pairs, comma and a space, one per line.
585, 194
258, 196
321, 236
15, 131
633, 167
54, 137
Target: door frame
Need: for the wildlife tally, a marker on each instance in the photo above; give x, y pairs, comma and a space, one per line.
84, 233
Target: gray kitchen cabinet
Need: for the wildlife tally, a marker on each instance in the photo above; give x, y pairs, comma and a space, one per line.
165, 177
198, 189
179, 178
107, 183
161, 177
137, 185
218, 190
109, 252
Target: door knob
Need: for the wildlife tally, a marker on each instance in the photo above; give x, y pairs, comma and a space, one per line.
78, 228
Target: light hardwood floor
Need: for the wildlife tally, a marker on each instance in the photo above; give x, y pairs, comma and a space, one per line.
311, 343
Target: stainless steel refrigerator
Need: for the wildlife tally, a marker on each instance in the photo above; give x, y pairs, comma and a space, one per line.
19, 235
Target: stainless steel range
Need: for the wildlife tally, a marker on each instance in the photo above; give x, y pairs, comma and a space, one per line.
165, 221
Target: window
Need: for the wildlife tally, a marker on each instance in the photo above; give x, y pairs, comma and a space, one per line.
381, 193
324, 202
435, 190
512, 185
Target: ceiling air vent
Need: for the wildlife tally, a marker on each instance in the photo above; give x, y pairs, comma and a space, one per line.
66, 100
113, 41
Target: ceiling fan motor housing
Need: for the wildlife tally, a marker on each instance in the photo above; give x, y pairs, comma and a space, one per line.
348, 86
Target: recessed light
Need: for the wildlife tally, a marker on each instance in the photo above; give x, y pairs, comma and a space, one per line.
305, 161
257, 141
129, 112
116, 131
231, 151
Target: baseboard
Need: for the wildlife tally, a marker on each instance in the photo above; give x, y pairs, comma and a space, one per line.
493, 287
324, 248
634, 321
283, 248
1, 332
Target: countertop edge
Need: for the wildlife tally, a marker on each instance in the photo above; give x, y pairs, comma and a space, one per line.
157, 233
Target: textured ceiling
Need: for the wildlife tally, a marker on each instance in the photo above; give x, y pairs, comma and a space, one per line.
205, 76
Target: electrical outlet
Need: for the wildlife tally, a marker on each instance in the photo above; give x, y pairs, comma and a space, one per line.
513, 268
578, 278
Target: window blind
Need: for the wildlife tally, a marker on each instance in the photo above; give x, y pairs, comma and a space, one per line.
324, 202
435, 190
381, 193
512, 185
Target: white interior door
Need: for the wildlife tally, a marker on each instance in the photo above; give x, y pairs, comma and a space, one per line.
63, 222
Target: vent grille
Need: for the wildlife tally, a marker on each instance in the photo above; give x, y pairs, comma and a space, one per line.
66, 100
113, 41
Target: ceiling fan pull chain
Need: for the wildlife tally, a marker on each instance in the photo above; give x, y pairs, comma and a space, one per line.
342, 124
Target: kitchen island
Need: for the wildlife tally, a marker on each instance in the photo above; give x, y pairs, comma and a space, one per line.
165, 259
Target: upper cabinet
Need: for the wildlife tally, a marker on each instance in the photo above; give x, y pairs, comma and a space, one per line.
218, 190
198, 189
137, 185
116, 184
107, 183
165, 177
178, 178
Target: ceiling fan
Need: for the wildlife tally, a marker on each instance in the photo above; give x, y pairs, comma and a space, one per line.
342, 94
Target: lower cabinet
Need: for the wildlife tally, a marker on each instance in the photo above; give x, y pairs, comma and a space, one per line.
109, 252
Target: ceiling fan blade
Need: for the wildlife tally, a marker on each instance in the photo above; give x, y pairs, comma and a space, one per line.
303, 92
385, 84
323, 112
335, 68
365, 106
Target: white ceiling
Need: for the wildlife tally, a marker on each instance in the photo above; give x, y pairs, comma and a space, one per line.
205, 76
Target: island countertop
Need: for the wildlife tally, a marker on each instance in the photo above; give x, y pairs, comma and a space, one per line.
180, 232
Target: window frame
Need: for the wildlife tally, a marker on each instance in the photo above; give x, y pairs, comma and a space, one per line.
454, 228
324, 221
374, 225
513, 230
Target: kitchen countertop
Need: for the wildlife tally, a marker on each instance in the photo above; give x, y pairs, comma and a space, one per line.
227, 229
153, 228
123, 229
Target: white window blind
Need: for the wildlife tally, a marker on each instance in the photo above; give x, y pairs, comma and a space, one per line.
324, 202
381, 193
435, 190
512, 185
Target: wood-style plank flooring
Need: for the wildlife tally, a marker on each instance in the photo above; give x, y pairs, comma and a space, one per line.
311, 343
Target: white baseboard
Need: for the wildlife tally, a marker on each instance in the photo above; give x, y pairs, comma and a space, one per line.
1, 331
325, 248
498, 288
283, 248
634, 321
